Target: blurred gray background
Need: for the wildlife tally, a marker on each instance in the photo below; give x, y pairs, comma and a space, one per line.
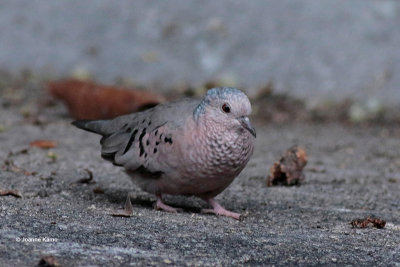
315, 49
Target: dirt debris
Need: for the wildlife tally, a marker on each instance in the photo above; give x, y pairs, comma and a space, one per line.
87, 180
10, 166
276, 107
48, 261
13, 193
98, 190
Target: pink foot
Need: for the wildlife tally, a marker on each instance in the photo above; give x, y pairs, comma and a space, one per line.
219, 210
159, 205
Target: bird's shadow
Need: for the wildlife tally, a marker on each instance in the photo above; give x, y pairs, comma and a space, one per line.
145, 200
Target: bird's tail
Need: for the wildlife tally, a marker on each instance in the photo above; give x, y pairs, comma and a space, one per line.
94, 126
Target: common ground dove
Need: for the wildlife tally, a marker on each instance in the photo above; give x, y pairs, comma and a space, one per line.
187, 147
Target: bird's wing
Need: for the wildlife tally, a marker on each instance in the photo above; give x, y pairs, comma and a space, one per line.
143, 141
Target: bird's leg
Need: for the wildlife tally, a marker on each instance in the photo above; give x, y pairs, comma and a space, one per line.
160, 205
219, 210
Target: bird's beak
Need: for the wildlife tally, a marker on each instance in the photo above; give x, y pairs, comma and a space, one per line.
245, 122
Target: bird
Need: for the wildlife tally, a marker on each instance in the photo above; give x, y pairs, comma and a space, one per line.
189, 147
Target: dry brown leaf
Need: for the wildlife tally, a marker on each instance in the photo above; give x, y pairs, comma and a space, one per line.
368, 222
127, 211
88, 100
13, 193
289, 169
45, 144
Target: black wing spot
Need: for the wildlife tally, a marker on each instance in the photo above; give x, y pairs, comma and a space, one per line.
168, 140
149, 123
143, 120
131, 140
157, 143
155, 151
145, 155
147, 142
155, 130
141, 142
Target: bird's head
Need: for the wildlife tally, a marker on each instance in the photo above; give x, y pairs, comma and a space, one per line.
227, 106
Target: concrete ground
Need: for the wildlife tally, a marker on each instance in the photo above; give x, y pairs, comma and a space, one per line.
353, 172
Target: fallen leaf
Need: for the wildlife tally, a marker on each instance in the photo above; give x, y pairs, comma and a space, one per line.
368, 222
10, 193
289, 169
48, 261
88, 100
127, 211
45, 144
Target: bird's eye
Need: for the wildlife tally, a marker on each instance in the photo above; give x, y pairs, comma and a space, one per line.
226, 108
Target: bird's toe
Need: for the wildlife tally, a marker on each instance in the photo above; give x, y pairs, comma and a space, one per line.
159, 205
222, 212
